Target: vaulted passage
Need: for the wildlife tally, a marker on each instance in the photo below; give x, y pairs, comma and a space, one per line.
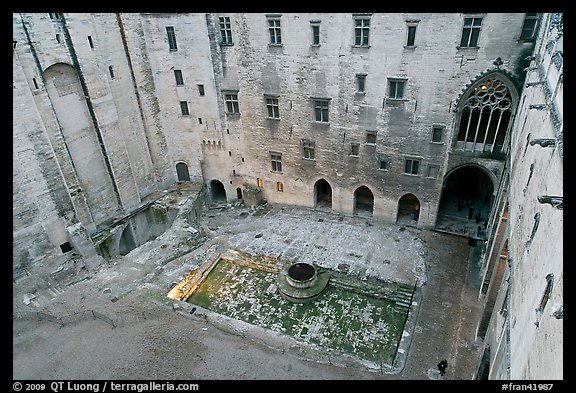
363, 201
217, 191
322, 194
408, 210
466, 200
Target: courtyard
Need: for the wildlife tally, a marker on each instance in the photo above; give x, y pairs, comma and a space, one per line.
341, 334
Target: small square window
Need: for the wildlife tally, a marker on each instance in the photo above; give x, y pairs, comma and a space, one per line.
354, 149
371, 137
437, 134
382, 163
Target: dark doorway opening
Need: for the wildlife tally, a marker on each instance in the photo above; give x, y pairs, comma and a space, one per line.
182, 172
363, 201
127, 242
466, 201
217, 191
239, 193
408, 210
323, 194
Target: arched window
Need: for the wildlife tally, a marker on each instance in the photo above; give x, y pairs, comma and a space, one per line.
485, 119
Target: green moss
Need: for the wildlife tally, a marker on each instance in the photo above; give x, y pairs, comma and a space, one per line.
348, 321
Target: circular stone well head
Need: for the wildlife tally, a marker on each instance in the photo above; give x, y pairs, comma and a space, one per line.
301, 275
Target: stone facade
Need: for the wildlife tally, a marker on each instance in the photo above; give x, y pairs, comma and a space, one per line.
363, 114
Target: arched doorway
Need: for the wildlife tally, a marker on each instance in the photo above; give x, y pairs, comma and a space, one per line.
127, 242
322, 194
363, 201
466, 200
217, 191
238, 193
182, 172
408, 210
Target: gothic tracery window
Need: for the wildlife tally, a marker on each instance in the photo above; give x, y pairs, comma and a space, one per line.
485, 117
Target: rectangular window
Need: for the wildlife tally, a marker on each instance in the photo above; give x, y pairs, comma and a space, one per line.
433, 171
184, 108
225, 30
411, 36
90, 42
231, 100
58, 38
274, 30
529, 27
259, 182
470, 32
272, 106
437, 134
411, 166
382, 163
371, 137
276, 159
280, 186
361, 82
171, 38
111, 71
396, 88
54, 15
308, 149
178, 77
321, 110
315, 32
201, 90
361, 30
354, 149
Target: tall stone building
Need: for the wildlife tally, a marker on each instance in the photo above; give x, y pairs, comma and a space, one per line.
450, 122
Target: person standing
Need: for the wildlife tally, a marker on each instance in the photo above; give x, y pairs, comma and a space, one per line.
442, 367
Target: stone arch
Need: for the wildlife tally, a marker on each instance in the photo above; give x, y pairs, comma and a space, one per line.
408, 209
182, 171
363, 201
322, 194
217, 191
127, 242
468, 191
485, 112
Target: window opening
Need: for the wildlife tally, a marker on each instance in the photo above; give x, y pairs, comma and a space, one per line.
411, 166
470, 32
273, 109
184, 108
276, 159
225, 30
321, 110
178, 77
171, 38
308, 149
274, 30
361, 31
231, 100
485, 117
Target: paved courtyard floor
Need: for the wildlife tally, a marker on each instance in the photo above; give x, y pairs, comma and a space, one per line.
155, 337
